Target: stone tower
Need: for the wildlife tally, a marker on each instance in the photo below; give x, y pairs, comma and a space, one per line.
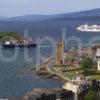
59, 52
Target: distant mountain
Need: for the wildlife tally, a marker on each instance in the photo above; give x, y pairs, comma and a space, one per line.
26, 18
87, 13
4, 18
31, 18
94, 13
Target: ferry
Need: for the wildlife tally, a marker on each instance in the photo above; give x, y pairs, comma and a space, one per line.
89, 28
9, 44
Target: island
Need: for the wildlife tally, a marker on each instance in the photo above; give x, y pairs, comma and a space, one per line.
4, 36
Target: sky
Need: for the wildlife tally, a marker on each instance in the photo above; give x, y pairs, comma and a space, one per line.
10, 8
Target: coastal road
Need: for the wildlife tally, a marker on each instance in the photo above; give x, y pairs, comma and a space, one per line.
50, 68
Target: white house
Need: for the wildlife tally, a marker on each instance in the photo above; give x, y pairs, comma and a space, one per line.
97, 55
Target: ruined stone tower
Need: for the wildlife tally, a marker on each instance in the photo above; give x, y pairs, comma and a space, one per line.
59, 52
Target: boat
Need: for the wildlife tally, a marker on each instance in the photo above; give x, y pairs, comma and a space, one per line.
89, 28
9, 44
31, 44
28, 45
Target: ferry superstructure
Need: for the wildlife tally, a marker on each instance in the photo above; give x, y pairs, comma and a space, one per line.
89, 28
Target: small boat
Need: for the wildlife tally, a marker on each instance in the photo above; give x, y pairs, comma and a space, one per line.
31, 44
8, 44
21, 45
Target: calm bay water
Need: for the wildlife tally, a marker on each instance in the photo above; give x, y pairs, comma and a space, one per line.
15, 77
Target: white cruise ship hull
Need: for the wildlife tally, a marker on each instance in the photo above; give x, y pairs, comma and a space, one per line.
88, 30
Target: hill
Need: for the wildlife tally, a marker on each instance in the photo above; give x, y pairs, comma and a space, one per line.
94, 14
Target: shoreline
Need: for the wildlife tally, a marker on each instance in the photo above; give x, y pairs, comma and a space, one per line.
47, 72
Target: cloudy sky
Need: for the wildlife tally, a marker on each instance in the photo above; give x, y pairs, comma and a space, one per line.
38, 7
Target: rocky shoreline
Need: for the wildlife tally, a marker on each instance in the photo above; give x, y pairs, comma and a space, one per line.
47, 72
44, 94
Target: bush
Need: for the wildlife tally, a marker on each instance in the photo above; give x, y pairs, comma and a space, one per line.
89, 72
91, 95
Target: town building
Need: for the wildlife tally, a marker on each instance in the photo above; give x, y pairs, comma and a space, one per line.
59, 52
72, 57
97, 56
77, 86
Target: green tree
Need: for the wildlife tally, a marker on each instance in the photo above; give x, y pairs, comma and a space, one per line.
87, 63
91, 95
87, 66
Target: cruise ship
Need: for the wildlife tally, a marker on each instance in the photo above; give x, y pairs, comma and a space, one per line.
89, 28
